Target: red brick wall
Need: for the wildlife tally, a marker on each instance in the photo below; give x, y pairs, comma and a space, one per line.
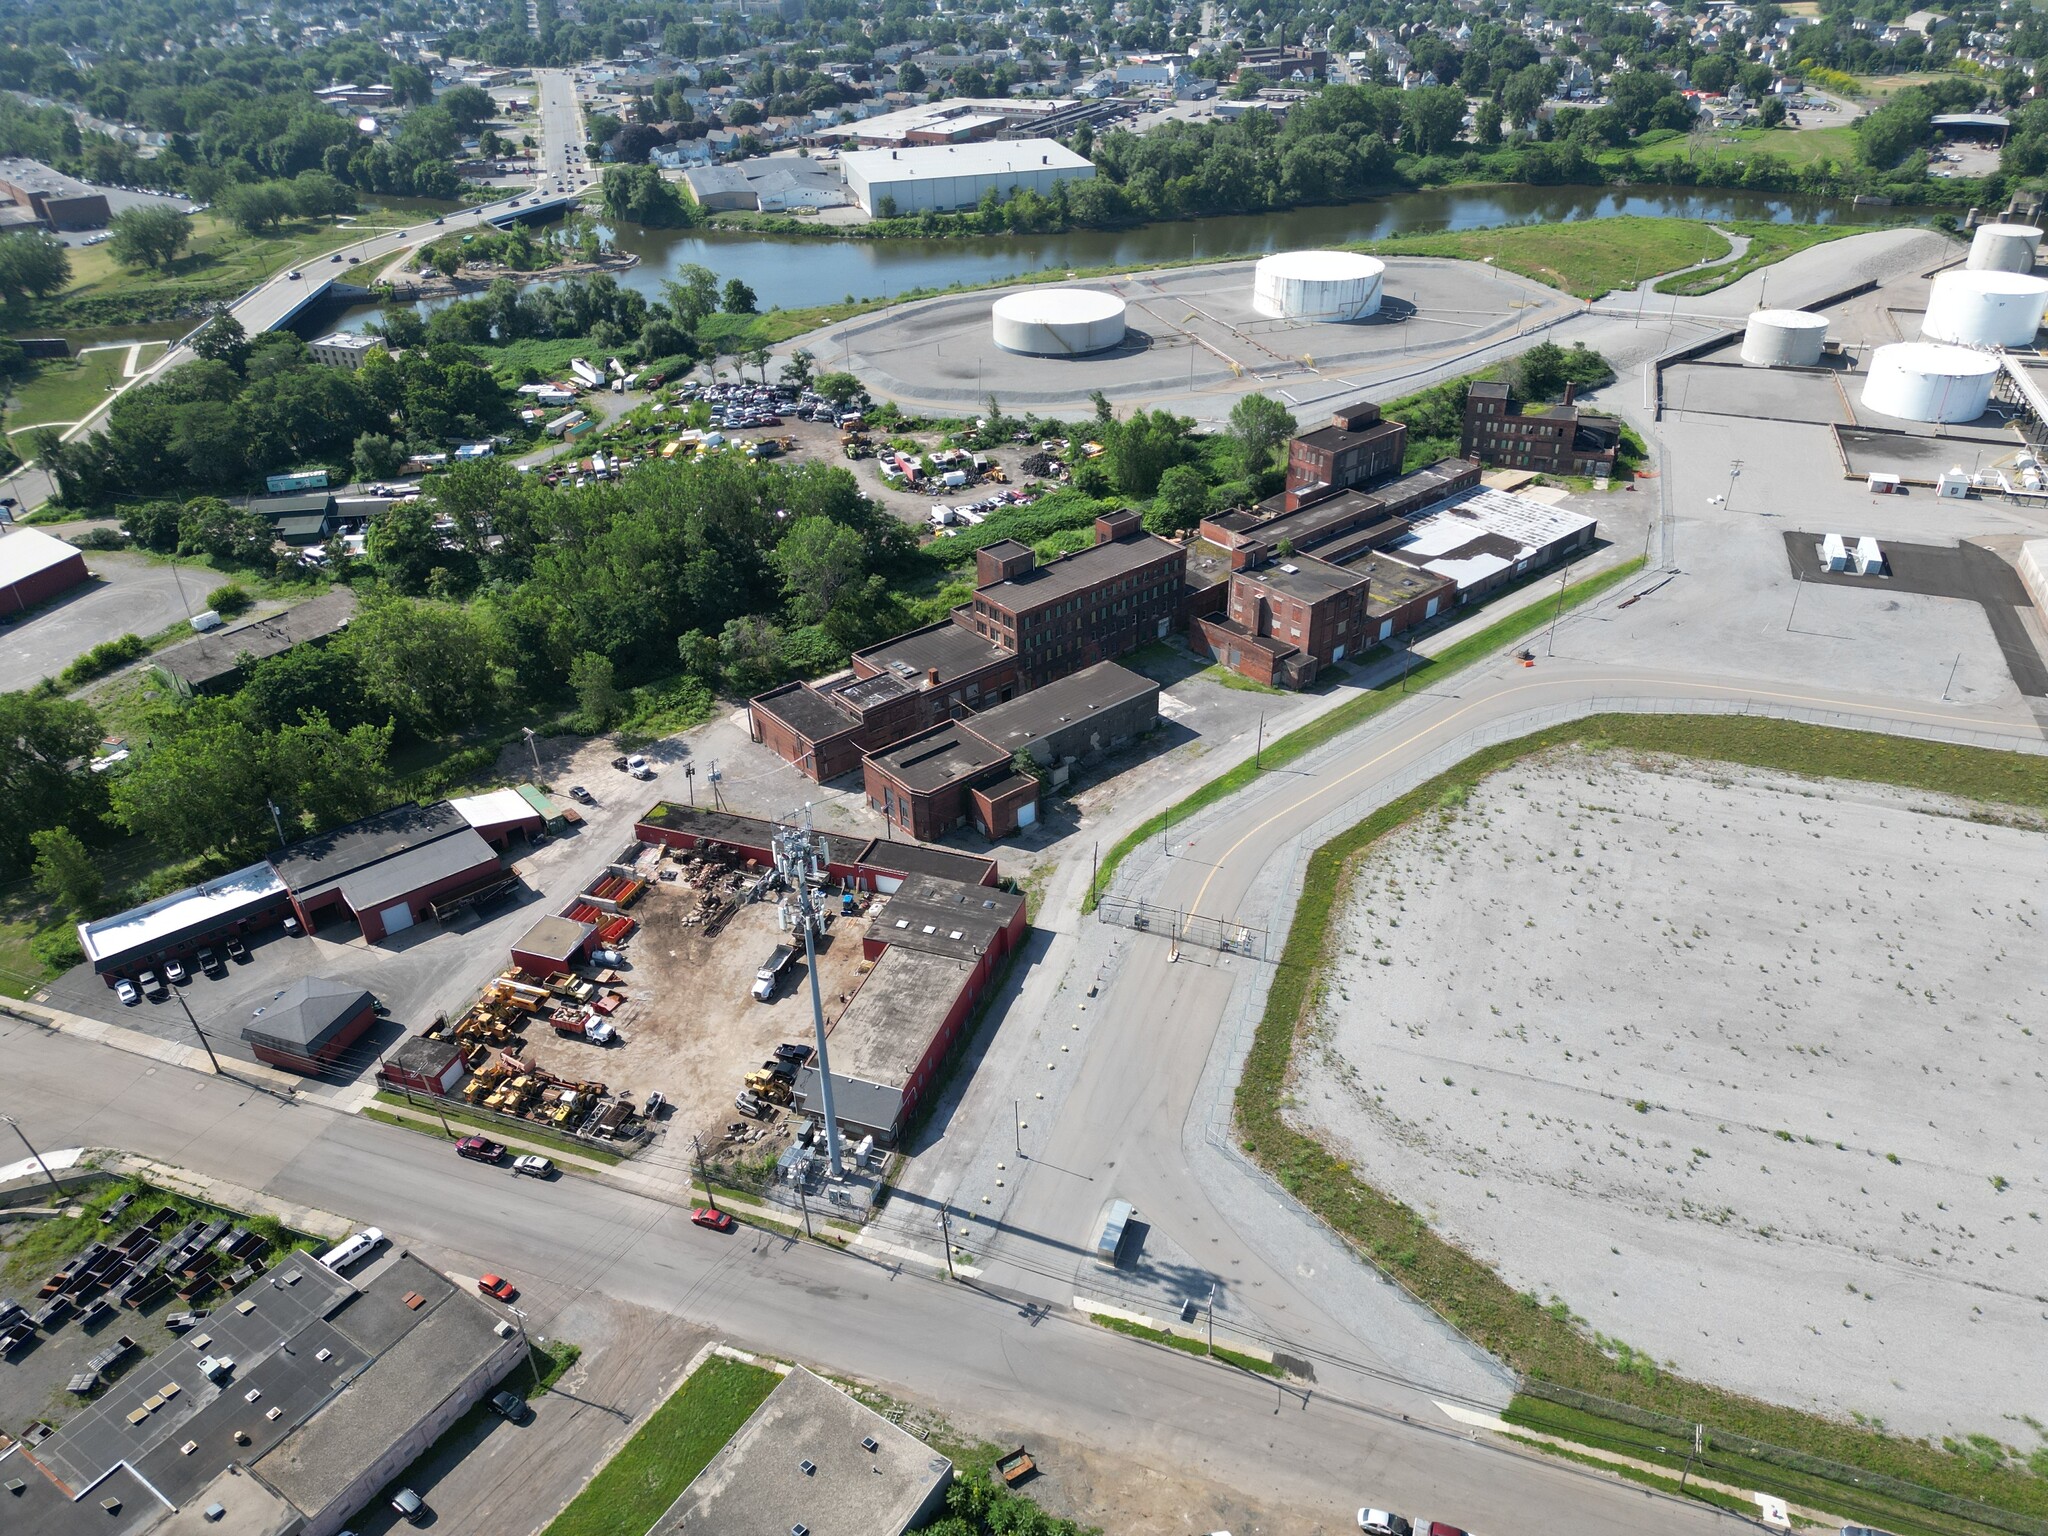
36, 589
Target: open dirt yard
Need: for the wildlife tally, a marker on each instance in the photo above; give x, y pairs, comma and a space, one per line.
693, 1029
1745, 1069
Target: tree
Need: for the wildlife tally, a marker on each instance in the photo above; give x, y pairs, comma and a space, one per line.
909, 77
598, 700
32, 264
376, 456
818, 559
229, 599
1486, 120
65, 872
280, 690
1259, 424
208, 525
839, 388
256, 206
692, 294
750, 653
698, 653
468, 105
432, 665
42, 737
322, 777
738, 298
637, 194
153, 235
796, 373
1182, 502
222, 340
202, 787
1142, 448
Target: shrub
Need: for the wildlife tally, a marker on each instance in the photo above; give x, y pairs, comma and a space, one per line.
230, 599
102, 659
102, 538
58, 949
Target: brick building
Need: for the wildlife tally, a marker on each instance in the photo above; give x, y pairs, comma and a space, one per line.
960, 772
57, 200
1356, 448
1556, 440
1095, 604
1027, 626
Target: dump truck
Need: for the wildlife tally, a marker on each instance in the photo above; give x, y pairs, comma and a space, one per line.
582, 1024
769, 977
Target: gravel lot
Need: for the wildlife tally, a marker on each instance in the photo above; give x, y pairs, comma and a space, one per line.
1785, 1135
132, 596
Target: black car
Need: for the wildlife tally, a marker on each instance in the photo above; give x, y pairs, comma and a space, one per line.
581, 795
511, 1407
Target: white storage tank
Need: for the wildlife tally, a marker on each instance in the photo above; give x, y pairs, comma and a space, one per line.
2004, 248
1058, 322
1922, 381
1783, 338
1318, 285
1985, 309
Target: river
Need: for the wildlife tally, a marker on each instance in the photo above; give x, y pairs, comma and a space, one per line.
795, 271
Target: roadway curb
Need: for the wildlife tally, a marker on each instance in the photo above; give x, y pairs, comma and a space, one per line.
234, 1197
138, 1043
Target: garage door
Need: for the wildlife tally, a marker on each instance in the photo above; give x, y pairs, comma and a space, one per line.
395, 918
1027, 813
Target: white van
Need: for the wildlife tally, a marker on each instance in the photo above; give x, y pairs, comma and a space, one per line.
354, 1250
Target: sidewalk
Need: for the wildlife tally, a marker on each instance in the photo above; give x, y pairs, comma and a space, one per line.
138, 1042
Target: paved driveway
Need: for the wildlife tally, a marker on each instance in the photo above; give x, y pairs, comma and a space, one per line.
129, 595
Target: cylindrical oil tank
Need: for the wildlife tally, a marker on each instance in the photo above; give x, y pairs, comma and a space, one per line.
1058, 322
1922, 381
1318, 285
2004, 248
1985, 309
1783, 338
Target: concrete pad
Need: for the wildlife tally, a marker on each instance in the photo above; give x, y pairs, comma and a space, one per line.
1737, 1065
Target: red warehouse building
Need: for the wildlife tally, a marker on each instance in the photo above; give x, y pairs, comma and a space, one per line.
425, 1066
387, 871
554, 944
35, 568
938, 947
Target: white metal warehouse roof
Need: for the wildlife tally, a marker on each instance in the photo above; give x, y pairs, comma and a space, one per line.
135, 931
939, 162
26, 551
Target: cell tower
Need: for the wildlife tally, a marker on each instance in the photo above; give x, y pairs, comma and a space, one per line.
799, 862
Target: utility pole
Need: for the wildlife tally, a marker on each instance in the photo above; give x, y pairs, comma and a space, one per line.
1259, 749
690, 778
704, 1173
1798, 586
1018, 1106
1734, 474
946, 1236
526, 1344
32, 1152
1212, 1317
275, 820
197, 1030
795, 859
531, 747
1550, 643
803, 1201
1951, 677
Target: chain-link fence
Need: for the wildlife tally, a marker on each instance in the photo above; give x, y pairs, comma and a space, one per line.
1718, 1447
1224, 934
624, 1144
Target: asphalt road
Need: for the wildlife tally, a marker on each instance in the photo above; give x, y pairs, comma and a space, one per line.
968, 1352
130, 595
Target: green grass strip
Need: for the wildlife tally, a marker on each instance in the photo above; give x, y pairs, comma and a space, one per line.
1187, 1346
1286, 749
497, 1132
1670, 1485
635, 1488
1542, 1341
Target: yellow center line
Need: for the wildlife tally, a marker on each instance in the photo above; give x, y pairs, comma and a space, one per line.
1456, 714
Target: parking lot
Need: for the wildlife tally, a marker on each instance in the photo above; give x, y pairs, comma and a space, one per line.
130, 595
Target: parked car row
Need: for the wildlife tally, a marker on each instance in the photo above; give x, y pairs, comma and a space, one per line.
155, 984
481, 1149
1382, 1522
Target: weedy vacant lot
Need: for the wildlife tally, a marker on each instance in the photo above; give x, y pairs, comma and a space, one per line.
1744, 1069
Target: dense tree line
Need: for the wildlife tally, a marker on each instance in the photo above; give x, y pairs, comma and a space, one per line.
250, 405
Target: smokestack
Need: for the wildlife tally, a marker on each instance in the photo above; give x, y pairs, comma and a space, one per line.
931, 677
1571, 393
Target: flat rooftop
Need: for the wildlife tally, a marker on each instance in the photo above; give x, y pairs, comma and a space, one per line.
1304, 577
215, 655
893, 1018
201, 906
451, 1335
1334, 439
802, 1462
945, 917
806, 710
943, 162
938, 757
556, 937
1392, 584
1309, 526
923, 859
1013, 726
1084, 568
953, 648
712, 825
458, 853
